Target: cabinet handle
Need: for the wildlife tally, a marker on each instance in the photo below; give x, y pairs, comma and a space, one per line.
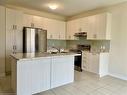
32, 24
69, 37
13, 27
51, 36
13, 47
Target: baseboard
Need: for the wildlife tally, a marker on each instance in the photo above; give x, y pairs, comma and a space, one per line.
118, 76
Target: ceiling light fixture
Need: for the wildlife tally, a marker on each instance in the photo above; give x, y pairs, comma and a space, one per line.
53, 6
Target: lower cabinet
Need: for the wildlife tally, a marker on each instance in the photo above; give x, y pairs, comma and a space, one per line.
2, 41
33, 76
62, 71
40, 75
95, 63
36, 75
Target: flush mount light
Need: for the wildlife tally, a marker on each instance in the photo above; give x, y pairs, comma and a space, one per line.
53, 6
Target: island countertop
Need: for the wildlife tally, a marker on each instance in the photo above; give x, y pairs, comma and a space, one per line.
27, 56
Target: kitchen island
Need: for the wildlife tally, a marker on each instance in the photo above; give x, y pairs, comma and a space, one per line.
36, 72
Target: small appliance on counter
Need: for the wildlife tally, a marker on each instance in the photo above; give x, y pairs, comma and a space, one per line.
78, 59
34, 40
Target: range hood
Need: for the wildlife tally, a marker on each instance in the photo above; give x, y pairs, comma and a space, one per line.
81, 34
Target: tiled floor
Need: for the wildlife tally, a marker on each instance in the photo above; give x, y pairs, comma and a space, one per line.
85, 84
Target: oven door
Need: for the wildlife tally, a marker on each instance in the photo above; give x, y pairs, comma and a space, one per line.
78, 63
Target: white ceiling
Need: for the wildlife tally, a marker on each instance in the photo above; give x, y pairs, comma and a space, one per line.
66, 7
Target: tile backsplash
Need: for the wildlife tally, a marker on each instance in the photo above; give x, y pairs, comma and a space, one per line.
56, 43
69, 44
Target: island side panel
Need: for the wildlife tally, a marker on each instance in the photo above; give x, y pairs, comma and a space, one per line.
33, 76
62, 70
13, 74
24, 79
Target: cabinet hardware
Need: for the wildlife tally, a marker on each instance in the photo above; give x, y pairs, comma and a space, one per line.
51, 36
69, 37
32, 24
13, 27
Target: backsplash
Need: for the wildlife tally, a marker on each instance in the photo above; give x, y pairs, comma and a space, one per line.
56, 43
69, 44
95, 44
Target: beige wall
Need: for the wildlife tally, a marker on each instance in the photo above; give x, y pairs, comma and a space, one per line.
118, 51
38, 13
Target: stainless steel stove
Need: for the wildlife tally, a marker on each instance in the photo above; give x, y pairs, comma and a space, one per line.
78, 59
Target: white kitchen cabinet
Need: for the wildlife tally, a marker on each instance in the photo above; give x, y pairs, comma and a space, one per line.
28, 20
38, 22
2, 41
33, 76
51, 26
61, 30
55, 29
70, 30
99, 27
62, 70
40, 75
95, 63
75, 26
14, 27
33, 21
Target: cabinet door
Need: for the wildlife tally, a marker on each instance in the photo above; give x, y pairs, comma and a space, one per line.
38, 22
92, 34
24, 79
70, 31
13, 33
62, 30
94, 64
85, 61
104, 26
18, 30
10, 39
28, 20
62, 71
2, 40
51, 26
84, 24
99, 27
40, 75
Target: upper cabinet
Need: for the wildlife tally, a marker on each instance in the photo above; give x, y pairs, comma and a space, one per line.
33, 21
55, 29
75, 26
97, 27
71, 30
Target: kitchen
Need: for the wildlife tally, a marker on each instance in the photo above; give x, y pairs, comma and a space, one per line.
93, 33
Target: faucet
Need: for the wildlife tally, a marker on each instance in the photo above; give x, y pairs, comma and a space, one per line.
58, 49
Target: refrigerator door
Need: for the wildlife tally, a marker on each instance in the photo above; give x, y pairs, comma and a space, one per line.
40, 40
34, 40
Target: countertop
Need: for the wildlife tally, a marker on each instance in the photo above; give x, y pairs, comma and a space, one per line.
26, 56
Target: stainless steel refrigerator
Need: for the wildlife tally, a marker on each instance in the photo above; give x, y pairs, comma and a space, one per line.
34, 40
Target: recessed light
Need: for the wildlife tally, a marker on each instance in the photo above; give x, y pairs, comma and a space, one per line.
53, 6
